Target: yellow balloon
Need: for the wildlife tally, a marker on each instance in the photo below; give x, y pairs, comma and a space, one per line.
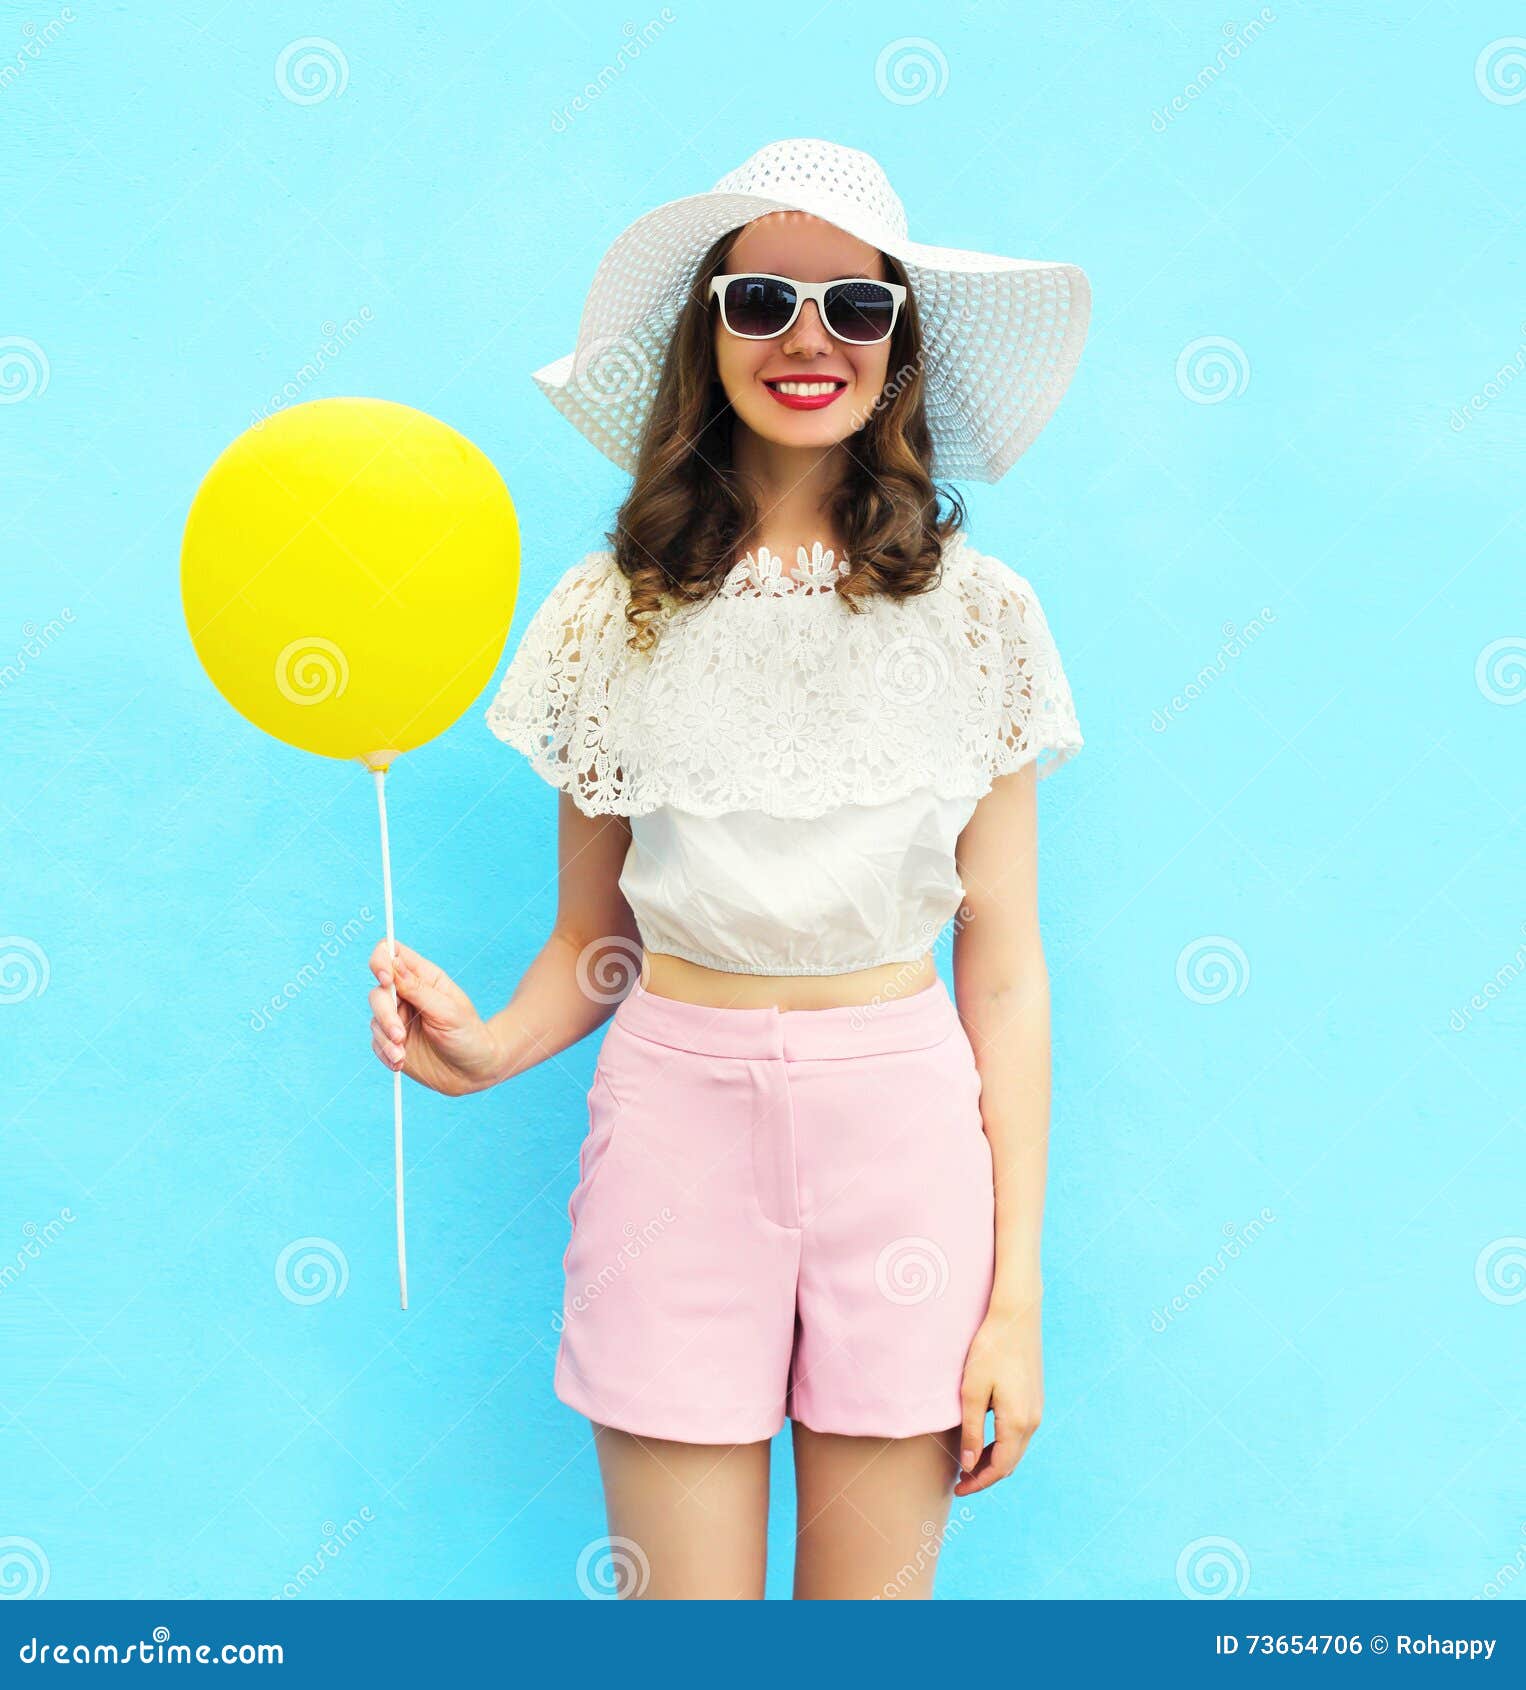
348, 574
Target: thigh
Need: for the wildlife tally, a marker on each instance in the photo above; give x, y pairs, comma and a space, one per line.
898, 1251
870, 1513
687, 1521
679, 1307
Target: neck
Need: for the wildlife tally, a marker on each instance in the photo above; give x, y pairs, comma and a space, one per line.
793, 488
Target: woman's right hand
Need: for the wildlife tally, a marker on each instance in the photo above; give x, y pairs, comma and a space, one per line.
434, 1035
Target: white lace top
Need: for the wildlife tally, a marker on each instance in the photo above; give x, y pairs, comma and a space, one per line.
796, 774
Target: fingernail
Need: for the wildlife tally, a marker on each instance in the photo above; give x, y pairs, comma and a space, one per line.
967, 1458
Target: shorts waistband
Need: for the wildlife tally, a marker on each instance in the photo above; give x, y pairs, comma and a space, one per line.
925, 1017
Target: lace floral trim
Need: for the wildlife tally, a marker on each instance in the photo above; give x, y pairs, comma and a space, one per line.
791, 715
762, 575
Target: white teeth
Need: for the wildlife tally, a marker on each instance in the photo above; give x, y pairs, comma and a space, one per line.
805, 389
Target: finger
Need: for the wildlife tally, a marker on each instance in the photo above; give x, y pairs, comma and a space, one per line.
1002, 1456
382, 958
380, 1033
980, 1477
426, 991
390, 1054
972, 1434
1005, 1453
1020, 1442
387, 1019
381, 1036
1015, 1426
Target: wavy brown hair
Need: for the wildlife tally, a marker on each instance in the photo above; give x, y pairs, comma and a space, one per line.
688, 515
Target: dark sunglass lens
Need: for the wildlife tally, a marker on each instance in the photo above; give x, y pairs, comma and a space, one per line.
860, 311
758, 305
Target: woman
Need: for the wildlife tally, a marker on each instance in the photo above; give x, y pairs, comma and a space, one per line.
810, 1186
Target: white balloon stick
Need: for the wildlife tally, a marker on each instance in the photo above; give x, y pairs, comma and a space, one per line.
397, 1075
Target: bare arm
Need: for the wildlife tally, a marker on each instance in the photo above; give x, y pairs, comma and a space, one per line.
423, 1023
1001, 985
432, 1032
591, 956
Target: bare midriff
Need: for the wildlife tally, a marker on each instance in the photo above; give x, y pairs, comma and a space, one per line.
676, 977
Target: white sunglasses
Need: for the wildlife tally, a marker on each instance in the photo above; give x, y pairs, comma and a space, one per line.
856, 309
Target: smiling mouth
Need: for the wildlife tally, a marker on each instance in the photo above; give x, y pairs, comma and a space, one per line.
801, 395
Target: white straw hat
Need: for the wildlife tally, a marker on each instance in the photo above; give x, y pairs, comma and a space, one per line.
1002, 336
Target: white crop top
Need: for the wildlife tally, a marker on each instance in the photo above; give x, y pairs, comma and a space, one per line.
796, 775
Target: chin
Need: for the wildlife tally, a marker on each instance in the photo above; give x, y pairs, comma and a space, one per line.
800, 428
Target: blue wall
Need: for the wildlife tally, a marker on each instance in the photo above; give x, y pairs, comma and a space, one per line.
1287, 862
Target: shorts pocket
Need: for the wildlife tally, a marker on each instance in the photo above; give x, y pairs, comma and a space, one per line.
959, 1054
603, 1118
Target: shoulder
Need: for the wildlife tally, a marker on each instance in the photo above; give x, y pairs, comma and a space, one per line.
585, 597
593, 579
554, 697
991, 591
1015, 652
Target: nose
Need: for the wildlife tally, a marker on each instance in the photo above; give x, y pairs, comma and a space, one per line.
807, 336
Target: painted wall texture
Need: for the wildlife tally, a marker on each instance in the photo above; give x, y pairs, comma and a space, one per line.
1277, 528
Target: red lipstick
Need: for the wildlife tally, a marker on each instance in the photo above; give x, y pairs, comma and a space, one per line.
806, 401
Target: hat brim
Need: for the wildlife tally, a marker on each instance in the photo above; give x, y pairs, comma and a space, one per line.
1002, 336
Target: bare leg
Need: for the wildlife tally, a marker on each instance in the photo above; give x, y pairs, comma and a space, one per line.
696, 1514
871, 1513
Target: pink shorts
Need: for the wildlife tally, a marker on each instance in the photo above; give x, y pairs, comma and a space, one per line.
778, 1212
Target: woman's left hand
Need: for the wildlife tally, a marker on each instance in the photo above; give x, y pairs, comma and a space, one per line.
1004, 1371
